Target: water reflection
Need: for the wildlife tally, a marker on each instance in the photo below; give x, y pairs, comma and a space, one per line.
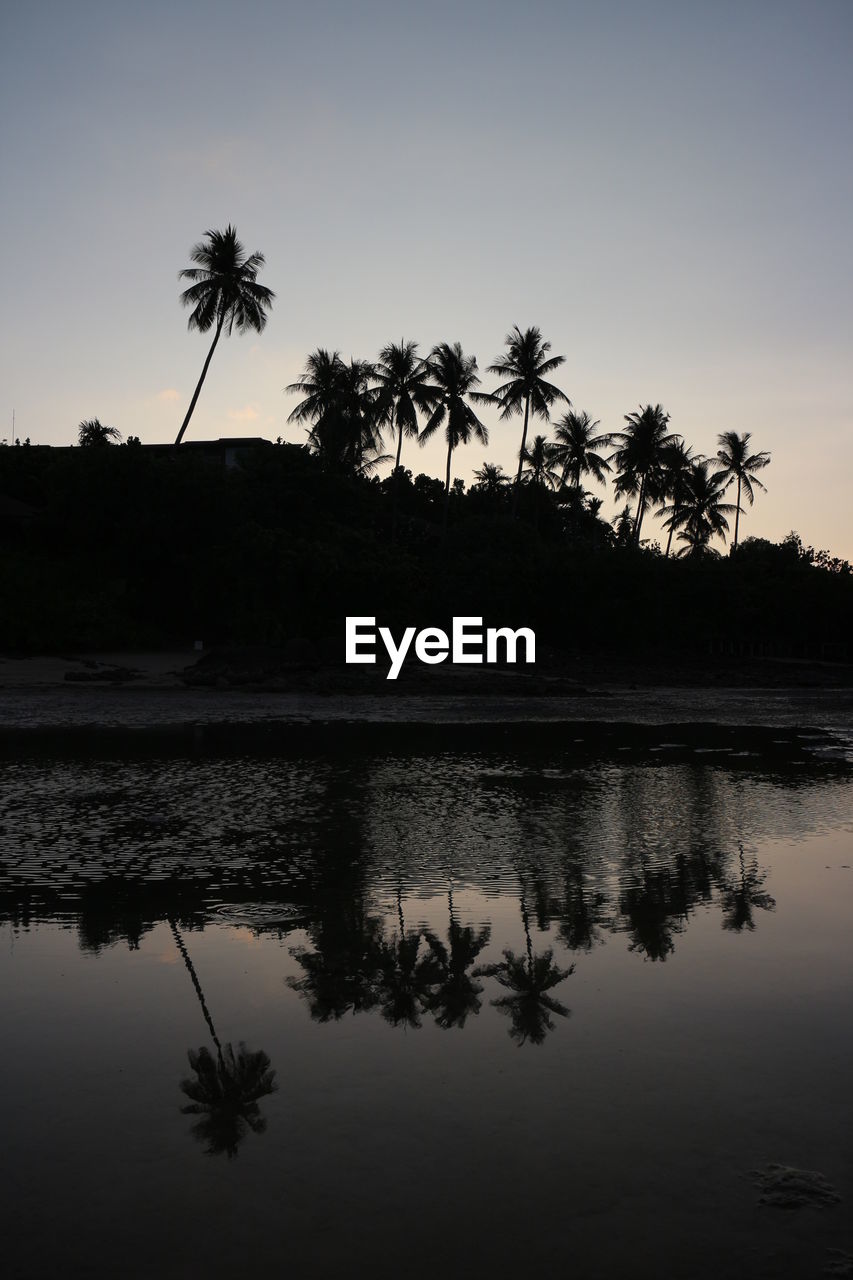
312, 851
354, 919
227, 1088
740, 897
457, 993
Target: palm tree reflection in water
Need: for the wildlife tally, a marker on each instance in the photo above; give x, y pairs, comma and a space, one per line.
226, 1088
740, 897
529, 978
456, 994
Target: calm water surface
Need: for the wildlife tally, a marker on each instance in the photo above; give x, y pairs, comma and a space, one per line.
424, 1015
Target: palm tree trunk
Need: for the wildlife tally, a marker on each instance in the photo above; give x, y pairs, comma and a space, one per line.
737, 514
669, 539
521, 455
197, 391
640, 511
396, 478
179, 943
447, 486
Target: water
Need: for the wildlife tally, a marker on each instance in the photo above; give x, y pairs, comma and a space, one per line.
501, 1013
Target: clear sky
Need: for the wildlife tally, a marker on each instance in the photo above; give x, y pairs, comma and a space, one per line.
664, 187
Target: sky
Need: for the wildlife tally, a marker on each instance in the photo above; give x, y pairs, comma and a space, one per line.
663, 187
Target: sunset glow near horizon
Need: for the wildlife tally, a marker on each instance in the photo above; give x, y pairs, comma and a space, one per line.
663, 189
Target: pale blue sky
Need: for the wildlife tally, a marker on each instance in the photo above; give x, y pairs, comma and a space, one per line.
664, 187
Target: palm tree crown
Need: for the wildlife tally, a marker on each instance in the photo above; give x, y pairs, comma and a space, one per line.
92, 432
223, 292
739, 464
576, 443
524, 368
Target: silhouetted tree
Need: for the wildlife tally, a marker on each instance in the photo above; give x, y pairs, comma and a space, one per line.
224, 292
640, 458
455, 379
92, 433
539, 460
740, 465
678, 460
341, 406
403, 390
524, 368
575, 448
703, 512
491, 478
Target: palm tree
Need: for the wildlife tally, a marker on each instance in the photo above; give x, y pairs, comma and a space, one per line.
224, 292
640, 458
702, 513
739, 464
93, 433
340, 404
524, 367
227, 1088
491, 478
623, 526
540, 464
225, 1094
576, 445
361, 433
455, 378
529, 978
457, 994
678, 462
403, 390
739, 897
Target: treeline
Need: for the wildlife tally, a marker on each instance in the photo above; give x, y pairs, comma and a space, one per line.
126, 546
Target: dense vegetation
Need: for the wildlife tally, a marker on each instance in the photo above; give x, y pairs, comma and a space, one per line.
126, 546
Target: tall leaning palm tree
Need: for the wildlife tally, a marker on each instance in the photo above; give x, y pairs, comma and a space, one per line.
223, 292
741, 465
525, 389
640, 458
575, 448
455, 379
